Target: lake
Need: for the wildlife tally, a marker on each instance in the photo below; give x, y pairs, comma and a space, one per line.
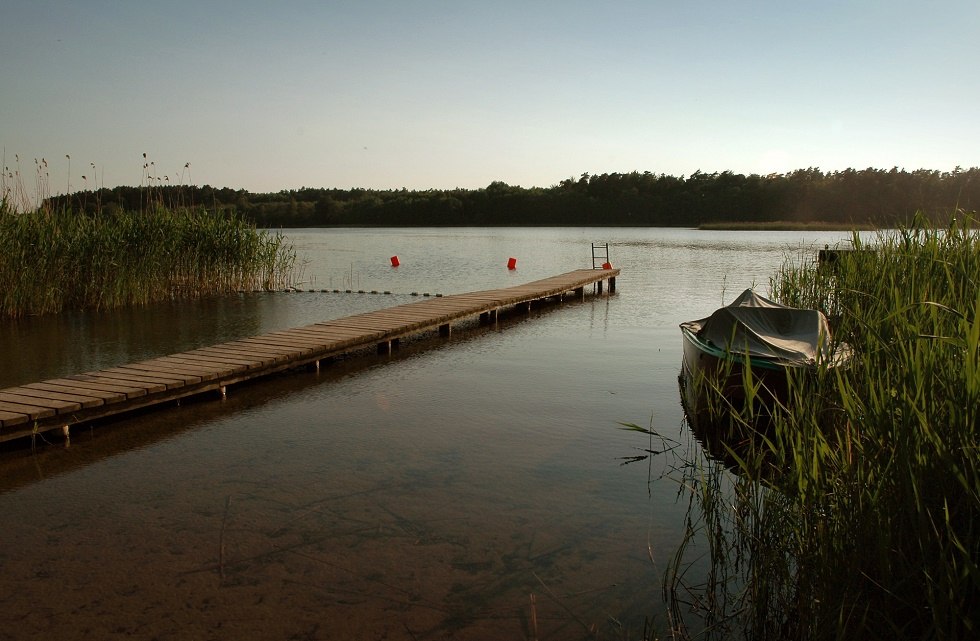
475, 488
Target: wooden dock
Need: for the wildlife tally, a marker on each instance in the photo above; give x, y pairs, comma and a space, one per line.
60, 403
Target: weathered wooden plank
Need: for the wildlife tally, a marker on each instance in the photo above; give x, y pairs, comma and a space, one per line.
33, 412
84, 380
313, 341
457, 304
30, 392
59, 406
254, 352
147, 386
10, 419
162, 367
420, 316
295, 344
223, 357
381, 326
327, 345
401, 315
207, 369
269, 343
55, 385
340, 331
130, 373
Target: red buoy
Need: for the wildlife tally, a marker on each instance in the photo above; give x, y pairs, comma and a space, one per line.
394, 261
512, 263
607, 265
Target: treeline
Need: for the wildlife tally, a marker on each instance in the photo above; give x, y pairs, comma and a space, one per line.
870, 196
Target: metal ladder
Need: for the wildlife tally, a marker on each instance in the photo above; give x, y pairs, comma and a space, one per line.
600, 255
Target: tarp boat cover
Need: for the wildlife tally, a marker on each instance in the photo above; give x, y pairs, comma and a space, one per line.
760, 328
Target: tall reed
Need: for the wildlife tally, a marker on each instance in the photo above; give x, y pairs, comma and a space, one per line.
871, 527
52, 261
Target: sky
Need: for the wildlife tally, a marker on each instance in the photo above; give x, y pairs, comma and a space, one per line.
440, 94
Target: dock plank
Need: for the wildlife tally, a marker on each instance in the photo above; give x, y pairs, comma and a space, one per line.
255, 353
207, 369
83, 401
132, 374
49, 402
86, 380
33, 412
107, 396
167, 368
221, 357
12, 419
148, 387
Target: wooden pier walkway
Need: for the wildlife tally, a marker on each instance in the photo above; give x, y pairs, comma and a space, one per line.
58, 404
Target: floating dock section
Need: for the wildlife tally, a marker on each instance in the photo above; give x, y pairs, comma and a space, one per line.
60, 403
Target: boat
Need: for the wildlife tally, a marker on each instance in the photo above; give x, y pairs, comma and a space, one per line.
744, 353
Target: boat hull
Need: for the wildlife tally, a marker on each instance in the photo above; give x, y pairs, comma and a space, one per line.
717, 384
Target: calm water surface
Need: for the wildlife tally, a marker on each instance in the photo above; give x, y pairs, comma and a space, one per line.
433, 495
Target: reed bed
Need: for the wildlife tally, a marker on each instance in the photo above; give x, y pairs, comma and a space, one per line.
866, 525
51, 261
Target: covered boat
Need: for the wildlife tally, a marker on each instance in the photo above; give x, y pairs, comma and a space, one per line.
771, 338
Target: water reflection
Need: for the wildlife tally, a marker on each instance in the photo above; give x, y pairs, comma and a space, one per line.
48, 346
724, 435
431, 497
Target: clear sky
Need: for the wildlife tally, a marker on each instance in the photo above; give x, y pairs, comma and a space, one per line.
425, 94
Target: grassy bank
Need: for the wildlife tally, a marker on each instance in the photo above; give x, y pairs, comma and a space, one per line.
52, 261
868, 528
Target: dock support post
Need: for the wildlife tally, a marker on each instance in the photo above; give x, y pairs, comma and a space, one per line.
224, 392
387, 347
445, 330
612, 285
598, 287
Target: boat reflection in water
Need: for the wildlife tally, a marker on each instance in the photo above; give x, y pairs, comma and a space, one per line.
739, 364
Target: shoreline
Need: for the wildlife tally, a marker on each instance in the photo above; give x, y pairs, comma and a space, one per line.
785, 225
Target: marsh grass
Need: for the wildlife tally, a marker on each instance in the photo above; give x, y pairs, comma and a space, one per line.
870, 528
53, 260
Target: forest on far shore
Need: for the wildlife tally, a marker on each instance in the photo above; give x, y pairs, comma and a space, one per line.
876, 197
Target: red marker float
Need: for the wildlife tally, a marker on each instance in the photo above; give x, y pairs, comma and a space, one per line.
512, 263
394, 261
